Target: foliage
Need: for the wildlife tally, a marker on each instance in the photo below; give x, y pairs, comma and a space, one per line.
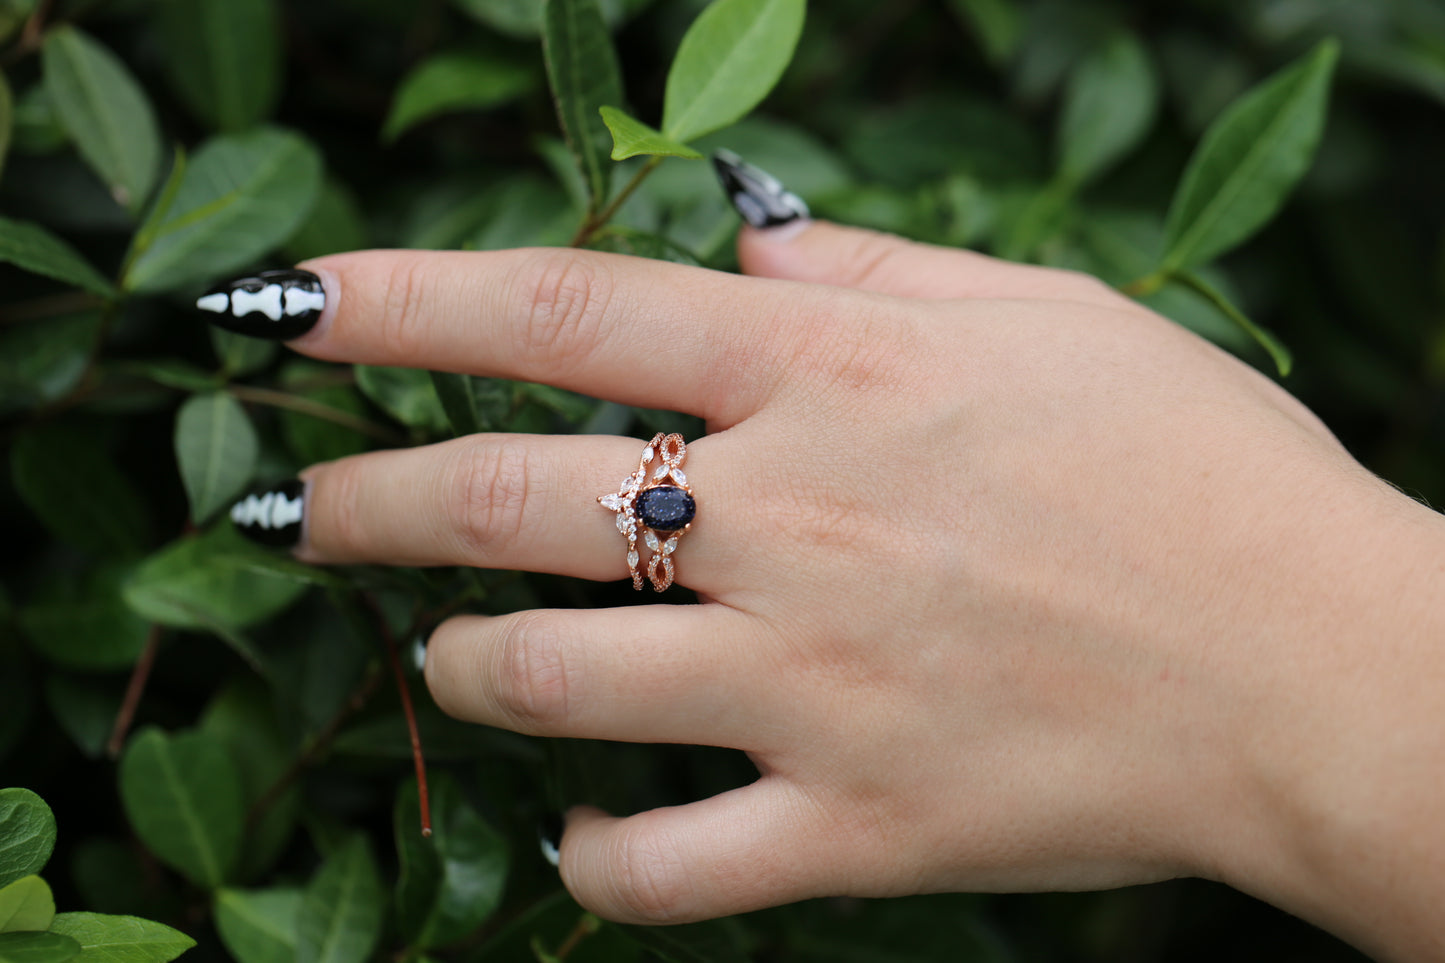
216, 725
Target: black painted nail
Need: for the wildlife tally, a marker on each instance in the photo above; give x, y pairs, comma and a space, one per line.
549, 837
758, 196
278, 305
272, 517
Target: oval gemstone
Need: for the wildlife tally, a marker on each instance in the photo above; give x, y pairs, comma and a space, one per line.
666, 508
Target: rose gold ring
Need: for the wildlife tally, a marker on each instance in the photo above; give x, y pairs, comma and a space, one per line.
659, 502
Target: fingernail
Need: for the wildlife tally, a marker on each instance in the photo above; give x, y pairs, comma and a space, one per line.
277, 305
758, 196
549, 837
272, 517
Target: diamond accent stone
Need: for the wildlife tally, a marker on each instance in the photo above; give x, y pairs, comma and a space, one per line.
651, 540
669, 546
660, 472
632, 558
624, 524
678, 476
647, 455
611, 502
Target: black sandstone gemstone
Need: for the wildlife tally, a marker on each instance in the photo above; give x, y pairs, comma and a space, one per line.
276, 305
665, 508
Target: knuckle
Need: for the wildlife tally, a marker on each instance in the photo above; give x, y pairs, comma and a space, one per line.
491, 486
849, 351
403, 315
534, 681
651, 883
567, 298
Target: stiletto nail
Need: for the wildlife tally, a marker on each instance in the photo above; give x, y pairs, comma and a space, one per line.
549, 837
278, 305
272, 517
758, 196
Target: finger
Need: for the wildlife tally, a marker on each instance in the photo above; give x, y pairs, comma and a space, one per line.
511, 501
851, 257
650, 673
742, 850
633, 330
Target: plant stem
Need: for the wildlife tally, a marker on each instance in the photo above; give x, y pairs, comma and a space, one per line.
305, 406
1283, 361
49, 306
1145, 286
133, 692
407, 709
597, 222
30, 35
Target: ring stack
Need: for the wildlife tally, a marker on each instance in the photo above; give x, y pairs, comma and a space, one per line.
656, 502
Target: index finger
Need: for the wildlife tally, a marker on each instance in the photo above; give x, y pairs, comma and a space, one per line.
629, 329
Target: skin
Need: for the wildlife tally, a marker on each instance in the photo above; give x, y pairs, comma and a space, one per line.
1009, 584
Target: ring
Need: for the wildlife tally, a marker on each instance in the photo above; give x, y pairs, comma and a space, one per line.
659, 502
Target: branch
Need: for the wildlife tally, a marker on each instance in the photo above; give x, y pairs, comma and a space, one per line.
418, 759
305, 406
597, 222
133, 692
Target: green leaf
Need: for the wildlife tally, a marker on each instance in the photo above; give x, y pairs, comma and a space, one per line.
450, 82
224, 58
451, 881
106, 113
26, 905
13, 14
998, 24
84, 707
258, 926
83, 623
67, 479
457, 394
241, 196
340, 916
216, 448
582, 67
632, 137
336, 223
729, 60
32, 248
1109, 106
1266, 339
182, 795
1249, 160
27, 834
239, 355
406, 394
41, 363
7, 119
524, 19
206, 583
122, 939
37, 948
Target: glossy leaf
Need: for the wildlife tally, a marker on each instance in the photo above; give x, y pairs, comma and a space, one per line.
632, 137
205, 583
525, 18
457, 395
32, 248
998, 25
84, 706
1109, 106
7, 119
407, 394
67, 479
216, 448
729, 60
106, 113
451, 82
335, 224
451, 881
182, 795
582, 67
122, 939
27, 834
340, 916
241, 196
258, 926
1250, 159
83, 623
37, 948
224, 58
239, 355
26, 905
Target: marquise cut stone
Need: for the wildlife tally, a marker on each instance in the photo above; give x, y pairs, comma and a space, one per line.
666, 508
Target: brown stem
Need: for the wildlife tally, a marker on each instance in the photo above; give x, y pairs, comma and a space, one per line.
418, 759
587, 924
48, 306
305, 406
133, 692
30, 35
597, 222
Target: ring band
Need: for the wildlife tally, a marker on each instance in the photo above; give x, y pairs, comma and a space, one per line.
657, 501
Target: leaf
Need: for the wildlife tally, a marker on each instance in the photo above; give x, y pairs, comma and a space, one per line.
340, 916
224, 58
258, 926
84, 707
83, 623
450, 82
13, 14
632, 137
216, 448
26, 905
406, 394
241, 196
182, 795
1249, 160
582, 67
68, 481
998, 24
27, 834
37, 948
121, 939
205, 583
524, 19
336, 223
106, 113
729, 60
1109, 105
452, 881
457, 395
32, 248
1266, 339
239, 355
41, 363
7, 119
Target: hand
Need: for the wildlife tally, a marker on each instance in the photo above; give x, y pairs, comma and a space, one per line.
1008, 582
